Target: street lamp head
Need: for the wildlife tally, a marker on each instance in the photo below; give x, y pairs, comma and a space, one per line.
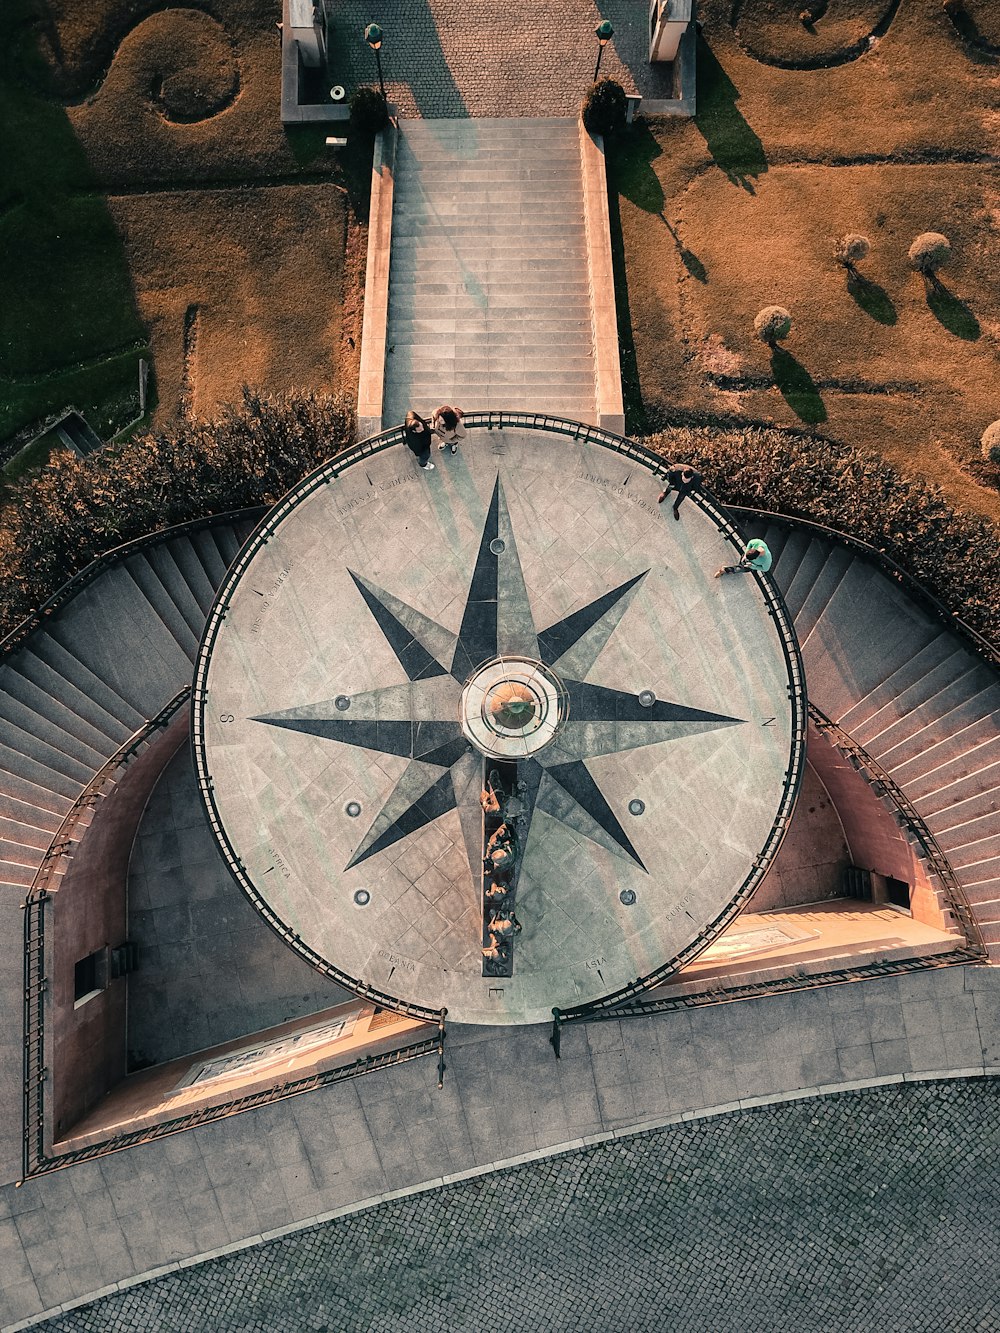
373, 36
604, 32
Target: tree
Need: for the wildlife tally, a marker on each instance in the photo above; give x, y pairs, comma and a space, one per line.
850, 250
929, 252
991, 443
773, 324
604, 107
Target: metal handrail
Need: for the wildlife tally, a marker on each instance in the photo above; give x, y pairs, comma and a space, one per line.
34, 1068
912, 585
769, 986
931, 850
581, 432
99, 564
431, 1045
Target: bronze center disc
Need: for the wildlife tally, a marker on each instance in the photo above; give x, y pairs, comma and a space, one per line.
512, 705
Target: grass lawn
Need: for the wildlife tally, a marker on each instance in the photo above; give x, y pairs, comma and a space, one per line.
154, 201
719, 217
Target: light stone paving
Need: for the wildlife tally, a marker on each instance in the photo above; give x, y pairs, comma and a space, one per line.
321, 801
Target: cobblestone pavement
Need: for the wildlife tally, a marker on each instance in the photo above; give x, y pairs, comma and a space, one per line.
872, 1210
492, 57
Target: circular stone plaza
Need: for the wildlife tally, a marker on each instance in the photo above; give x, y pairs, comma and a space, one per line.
523, 622
498, 771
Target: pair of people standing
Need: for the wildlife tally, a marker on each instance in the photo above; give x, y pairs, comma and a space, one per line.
446, 425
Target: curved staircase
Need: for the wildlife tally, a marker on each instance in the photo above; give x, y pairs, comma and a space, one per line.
72, 692
92, 674
910, 689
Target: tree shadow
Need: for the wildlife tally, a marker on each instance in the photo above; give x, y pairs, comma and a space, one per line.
797, 387
874, 300
734, 146
635, 411
631, 168
687, 257
631, 174
951, 312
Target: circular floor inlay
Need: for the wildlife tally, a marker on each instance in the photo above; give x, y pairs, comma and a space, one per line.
512, 707
520, 621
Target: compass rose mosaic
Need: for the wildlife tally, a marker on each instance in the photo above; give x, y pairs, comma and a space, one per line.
492, 738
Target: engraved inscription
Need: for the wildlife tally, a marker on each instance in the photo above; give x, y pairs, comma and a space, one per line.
403, 964
678, 907
617, 488
280, 864
268, 598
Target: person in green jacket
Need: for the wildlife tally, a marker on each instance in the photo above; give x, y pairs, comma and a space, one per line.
755, 557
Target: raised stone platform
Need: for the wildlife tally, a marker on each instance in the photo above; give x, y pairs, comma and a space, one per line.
345, 775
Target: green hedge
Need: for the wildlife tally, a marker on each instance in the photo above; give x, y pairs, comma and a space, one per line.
954, 556
55, 523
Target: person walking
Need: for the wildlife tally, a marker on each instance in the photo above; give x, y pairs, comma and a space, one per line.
447, 426
683, 479
417, 434
756, 557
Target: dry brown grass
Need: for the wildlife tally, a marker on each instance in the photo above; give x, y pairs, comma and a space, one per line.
225, 218
740, 208
265, 281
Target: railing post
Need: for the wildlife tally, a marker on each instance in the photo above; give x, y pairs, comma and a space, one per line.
555, 1041
441, 1035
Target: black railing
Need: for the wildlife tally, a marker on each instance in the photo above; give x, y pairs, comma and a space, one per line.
884, 786
105, 560
580, 432
366, 1064
888, 566
770, 986
53, 863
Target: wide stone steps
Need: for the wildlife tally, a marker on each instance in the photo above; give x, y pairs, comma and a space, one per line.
909, 690
489, 299
91, 675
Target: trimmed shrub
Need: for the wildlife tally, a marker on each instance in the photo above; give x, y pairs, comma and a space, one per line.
604, 107
773, 324
851, 249
56, 522
929, 252
805, 476
369, 111
991, 443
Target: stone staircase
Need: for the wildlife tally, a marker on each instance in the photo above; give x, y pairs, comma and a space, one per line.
907, 689
489, 286
92, 675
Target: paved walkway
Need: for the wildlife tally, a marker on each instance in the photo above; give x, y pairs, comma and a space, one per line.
72, 1233
873, 1210
493, 57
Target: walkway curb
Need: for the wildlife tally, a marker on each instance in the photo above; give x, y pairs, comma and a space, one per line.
505, 1164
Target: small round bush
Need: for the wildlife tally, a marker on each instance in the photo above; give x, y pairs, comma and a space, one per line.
369, 112
773, 324
604, 107
851, 249
929, 252
991, 443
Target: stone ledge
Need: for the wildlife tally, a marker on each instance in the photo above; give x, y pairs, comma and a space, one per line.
607, 366
371, 374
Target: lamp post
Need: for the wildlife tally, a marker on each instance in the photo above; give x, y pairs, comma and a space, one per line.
603, 32
373, 36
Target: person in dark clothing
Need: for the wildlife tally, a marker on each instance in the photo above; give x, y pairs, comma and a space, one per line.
417, 434
683, 479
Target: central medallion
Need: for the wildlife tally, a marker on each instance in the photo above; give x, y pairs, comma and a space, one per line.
512, 707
